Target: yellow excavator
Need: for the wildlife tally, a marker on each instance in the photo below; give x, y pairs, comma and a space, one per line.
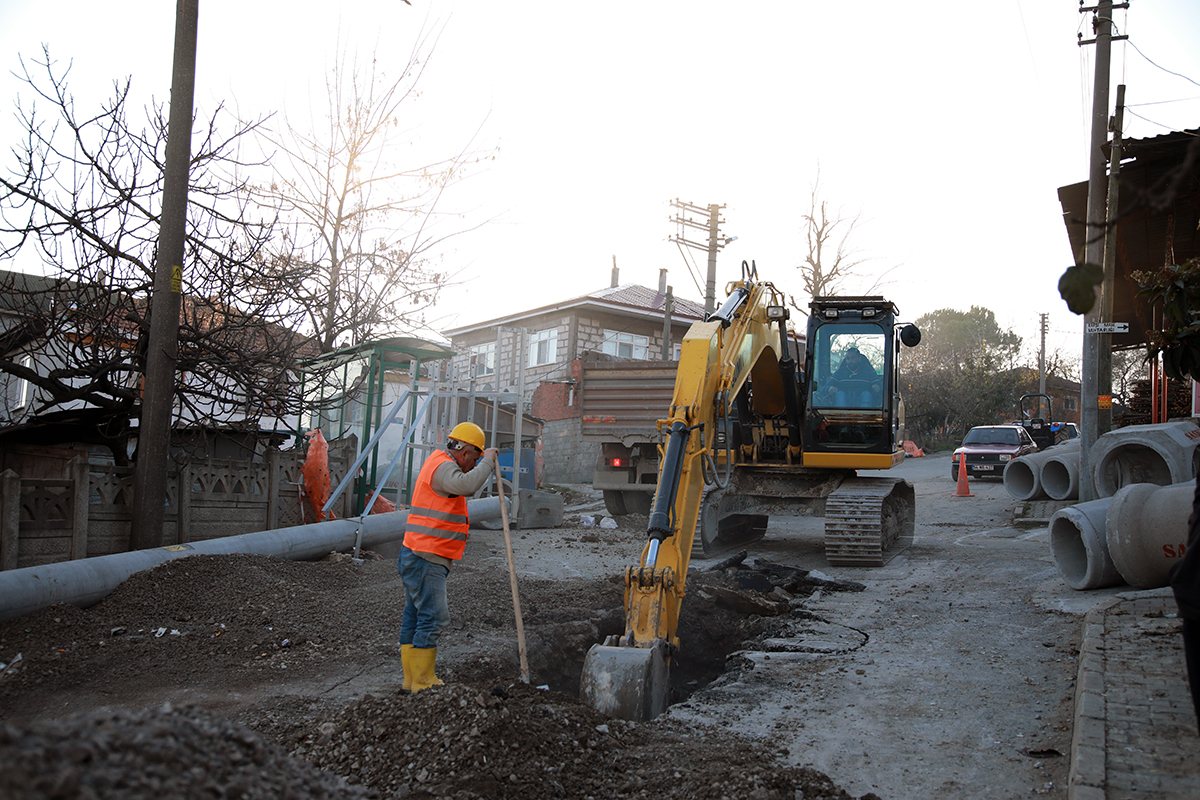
749, 435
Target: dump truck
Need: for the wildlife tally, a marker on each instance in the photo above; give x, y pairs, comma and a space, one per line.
620, 405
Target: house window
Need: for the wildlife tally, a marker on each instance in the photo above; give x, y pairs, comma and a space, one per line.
485, 359
676, 351
24, 387
543, 347
626, 345
1070, 403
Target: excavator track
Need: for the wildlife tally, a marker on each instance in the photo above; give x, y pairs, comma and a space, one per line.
868, 521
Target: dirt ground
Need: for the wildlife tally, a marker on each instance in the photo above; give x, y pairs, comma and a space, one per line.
947, 673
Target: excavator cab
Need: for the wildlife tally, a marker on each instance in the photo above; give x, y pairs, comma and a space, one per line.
854, 413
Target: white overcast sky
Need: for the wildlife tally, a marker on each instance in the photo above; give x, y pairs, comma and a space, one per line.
947, 126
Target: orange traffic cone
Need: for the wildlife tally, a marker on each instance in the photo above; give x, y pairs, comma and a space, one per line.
964, 490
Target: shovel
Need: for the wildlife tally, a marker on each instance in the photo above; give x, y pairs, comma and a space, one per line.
512, 575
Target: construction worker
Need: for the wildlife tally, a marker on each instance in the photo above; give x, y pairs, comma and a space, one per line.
435, 535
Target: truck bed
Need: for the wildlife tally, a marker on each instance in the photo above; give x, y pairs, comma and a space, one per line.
622, 401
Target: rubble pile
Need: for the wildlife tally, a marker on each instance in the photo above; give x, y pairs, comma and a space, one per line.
517, 741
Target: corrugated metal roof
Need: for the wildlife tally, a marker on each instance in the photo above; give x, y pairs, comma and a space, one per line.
1158, 214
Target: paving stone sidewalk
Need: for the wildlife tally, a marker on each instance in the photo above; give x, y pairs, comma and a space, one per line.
1135, 727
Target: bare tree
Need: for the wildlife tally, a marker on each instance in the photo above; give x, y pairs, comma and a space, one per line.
832, 260
361, 227
83, 197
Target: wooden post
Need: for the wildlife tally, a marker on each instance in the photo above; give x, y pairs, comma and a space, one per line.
10, 518
273, 473
79, 506
183, 493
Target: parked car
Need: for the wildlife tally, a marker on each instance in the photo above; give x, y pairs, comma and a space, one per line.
988, 449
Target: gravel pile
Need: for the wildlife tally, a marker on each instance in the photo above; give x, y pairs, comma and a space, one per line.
154, 755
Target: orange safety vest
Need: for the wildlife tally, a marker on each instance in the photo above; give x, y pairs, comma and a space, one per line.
436, 524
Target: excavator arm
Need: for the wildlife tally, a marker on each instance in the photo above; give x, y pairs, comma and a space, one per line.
627, 676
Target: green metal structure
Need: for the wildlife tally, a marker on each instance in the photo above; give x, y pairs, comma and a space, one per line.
398, 354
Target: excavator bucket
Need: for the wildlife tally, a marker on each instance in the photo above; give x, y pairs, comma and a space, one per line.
626, 682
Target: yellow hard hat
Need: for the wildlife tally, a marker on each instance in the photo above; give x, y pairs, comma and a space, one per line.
468, 432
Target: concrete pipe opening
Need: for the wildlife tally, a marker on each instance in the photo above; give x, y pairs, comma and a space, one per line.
1021, 479
1079, 548
1060, 478
1128, 464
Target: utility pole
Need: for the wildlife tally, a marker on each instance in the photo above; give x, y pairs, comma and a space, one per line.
154, 427
1097, 206
1042, 357
710, 222
1104, 382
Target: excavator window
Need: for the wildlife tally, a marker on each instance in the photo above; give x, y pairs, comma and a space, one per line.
849, 392
850, 367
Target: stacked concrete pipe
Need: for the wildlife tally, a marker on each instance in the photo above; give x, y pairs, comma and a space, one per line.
1024, 477
1079, 546
1060, 471
1163, 454
89, 580
1147, 531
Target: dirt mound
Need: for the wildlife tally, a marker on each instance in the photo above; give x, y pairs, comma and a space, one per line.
516, 741
264, 639
153, 755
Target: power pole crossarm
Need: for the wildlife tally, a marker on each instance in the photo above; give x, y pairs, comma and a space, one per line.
711, 223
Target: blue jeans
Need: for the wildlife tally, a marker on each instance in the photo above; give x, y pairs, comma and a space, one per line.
426, 611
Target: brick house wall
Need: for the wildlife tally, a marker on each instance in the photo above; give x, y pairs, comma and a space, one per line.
566, 456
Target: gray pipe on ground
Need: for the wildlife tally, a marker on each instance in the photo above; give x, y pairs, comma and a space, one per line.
1060, 472
1079, 547
89, 580
1163, 453
1147, 531
1023, 477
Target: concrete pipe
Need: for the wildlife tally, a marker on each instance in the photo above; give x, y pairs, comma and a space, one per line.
1147, 531
1060, 472
1079, 548
1163, 454
89, 580
1023, 476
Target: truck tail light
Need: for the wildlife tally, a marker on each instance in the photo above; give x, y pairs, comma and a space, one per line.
617, 462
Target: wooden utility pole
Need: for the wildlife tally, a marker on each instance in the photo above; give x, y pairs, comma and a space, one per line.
158, 392
1042, 357
1104, 356
1097, 213
709, 222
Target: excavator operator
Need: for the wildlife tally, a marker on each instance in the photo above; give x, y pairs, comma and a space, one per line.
855, 384
435, 535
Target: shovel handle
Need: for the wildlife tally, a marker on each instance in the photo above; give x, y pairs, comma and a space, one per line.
512, 577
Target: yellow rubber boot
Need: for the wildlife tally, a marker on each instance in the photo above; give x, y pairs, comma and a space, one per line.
407, 666
423, 660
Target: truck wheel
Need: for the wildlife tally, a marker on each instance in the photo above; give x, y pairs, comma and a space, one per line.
639, 503
614, 501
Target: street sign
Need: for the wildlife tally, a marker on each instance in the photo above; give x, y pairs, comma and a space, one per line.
1107, 327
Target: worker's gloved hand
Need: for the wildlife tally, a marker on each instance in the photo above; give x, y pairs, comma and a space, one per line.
492, 454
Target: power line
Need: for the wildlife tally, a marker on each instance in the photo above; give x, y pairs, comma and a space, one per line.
1159, 66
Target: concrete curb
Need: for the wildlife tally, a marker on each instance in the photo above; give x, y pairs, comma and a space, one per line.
1088, 742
